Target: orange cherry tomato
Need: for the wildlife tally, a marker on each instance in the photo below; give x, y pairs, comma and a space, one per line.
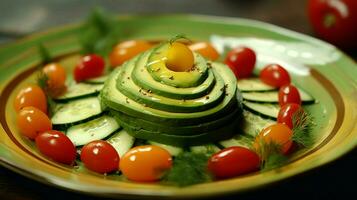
205, 49
127, 50
32, 121
56, 75
277, 133
31, 95
145, 163
179, 57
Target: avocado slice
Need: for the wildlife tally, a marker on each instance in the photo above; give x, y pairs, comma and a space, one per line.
176, 130
220, 133
112, 98
126, 86
143, 79
157, 68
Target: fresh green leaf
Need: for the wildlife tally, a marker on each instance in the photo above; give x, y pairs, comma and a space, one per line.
188, 168
99, 33
302, 123
44, 54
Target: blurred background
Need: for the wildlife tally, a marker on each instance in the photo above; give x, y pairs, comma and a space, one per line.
19, 18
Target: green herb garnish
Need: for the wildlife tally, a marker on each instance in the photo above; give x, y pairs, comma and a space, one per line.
188, 168
302, 123
99, 33
270, 154
44, 54
179, 37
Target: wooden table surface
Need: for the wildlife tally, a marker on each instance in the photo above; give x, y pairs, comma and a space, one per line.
19, 18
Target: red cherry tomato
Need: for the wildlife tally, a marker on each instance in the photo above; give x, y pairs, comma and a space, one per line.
32, 121
127, 50
277, 133
335, 21
145, 163
90, 66
31, 95
241, 60
289, 94
274, 75
233, 161
100, 156
287, 112
57, 146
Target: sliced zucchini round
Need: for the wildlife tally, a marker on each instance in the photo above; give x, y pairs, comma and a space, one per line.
80, 90
173, 150
273, 96
75, 112
252, 124
98, 80
264, 109
95, 129
253, 85
122, 141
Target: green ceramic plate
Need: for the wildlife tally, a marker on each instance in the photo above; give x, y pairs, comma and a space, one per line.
319, 68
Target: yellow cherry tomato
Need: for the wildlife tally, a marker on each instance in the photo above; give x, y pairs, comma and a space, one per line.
127, 50
279, 134
56, 75
179, 57
32, 121
205, 49
145, 163
31, 95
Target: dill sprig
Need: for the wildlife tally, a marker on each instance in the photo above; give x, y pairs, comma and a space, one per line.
270, 154
99, 33
302, 125
188, 168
